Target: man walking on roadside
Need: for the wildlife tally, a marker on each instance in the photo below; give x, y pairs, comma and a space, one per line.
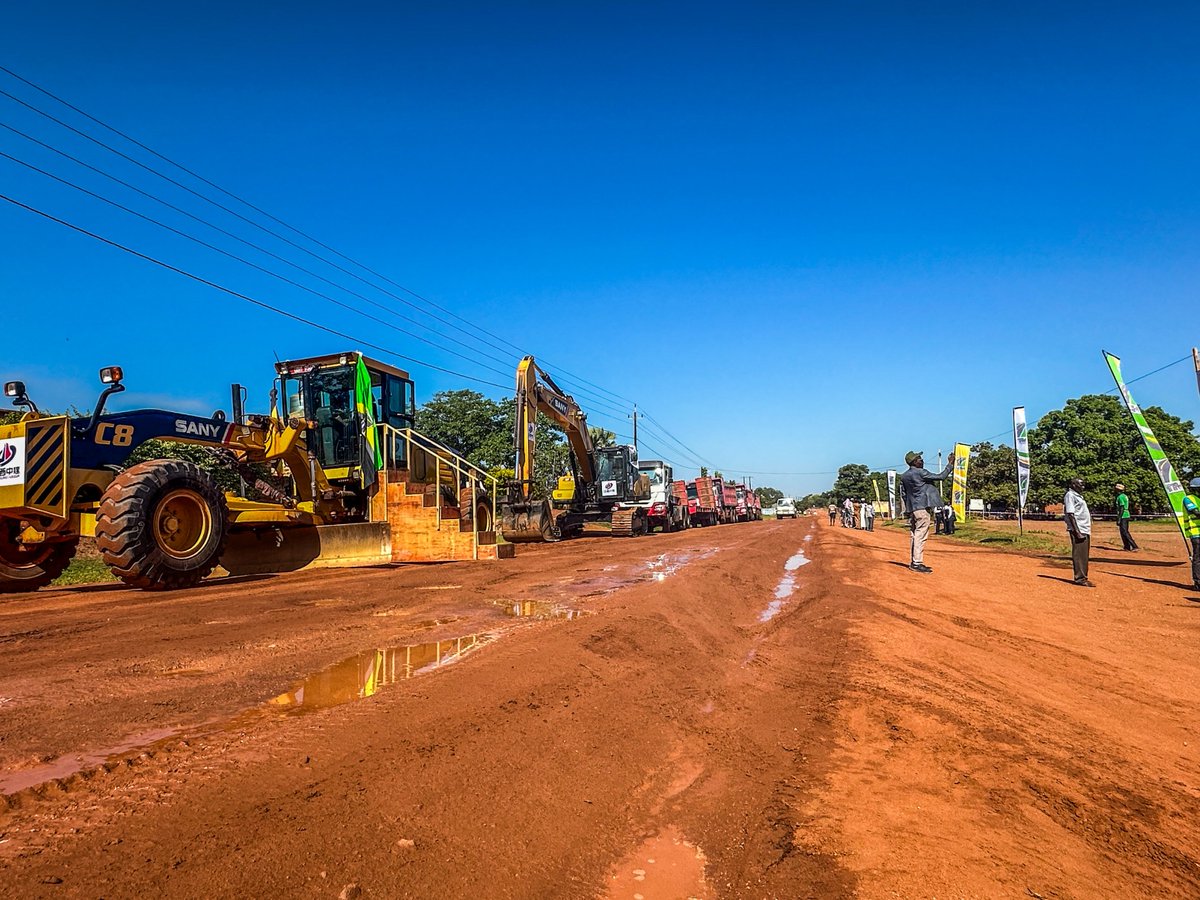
1127, 542
922, 496
1079, 526
832, 514
869, 514
1191, 525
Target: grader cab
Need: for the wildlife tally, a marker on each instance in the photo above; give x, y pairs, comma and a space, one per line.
342, 479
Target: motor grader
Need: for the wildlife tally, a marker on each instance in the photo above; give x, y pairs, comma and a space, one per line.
166, 523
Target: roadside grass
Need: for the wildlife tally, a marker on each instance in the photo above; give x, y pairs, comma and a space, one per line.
1035, 541
84, 571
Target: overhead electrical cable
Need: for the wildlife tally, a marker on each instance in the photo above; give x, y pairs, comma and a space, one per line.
246, 262
256, 302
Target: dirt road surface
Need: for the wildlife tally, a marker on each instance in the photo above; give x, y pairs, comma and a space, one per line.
776, 709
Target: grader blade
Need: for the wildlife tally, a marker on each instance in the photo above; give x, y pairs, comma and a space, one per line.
266, 551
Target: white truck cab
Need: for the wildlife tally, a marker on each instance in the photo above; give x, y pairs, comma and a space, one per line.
785, 508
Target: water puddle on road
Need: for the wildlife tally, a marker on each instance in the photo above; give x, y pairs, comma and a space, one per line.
664, 867
786, 586
73, 763
366, 674
539, 609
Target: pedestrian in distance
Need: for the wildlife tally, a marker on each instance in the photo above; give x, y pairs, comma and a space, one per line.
922, 496
1127, 542
862, 514
1191, 525
1079, 526
869, 510
832, 514
949, 517
847, 513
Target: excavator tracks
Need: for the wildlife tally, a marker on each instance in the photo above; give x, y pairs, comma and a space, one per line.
628, 522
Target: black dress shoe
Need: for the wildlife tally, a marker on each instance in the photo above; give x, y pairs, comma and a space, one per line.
921, 567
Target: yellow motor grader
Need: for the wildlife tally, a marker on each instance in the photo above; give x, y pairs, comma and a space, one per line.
166, 523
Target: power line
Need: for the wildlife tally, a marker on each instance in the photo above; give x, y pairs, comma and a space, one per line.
241, 296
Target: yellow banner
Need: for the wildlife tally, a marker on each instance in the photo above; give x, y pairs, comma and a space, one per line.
958, 496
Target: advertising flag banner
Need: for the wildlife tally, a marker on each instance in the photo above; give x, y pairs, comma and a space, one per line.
891, 493
958, 495
1162, 465
1021, 443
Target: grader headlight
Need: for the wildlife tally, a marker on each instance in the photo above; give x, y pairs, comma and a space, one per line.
14, 389
111, 375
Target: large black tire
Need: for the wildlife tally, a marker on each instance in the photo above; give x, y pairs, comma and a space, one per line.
161, 525
27, 567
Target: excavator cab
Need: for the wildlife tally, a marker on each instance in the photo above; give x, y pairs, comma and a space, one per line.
617, 476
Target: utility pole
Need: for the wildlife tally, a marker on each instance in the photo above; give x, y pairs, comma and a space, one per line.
635, 446
1196, 362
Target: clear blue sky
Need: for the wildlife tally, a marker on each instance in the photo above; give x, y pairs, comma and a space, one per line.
791, 232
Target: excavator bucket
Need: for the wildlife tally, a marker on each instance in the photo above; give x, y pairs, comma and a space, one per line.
528, 522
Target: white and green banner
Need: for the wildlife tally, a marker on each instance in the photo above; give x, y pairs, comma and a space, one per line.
1021, 444
891, 475
1162, 465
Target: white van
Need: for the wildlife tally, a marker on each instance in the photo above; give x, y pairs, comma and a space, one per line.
785, 508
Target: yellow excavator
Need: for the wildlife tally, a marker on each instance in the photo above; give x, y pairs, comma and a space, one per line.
601, 478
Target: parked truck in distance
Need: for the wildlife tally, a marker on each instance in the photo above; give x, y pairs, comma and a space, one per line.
663, 508
704, 501
785, 508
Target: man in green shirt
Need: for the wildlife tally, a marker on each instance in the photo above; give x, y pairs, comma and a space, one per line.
1123, 519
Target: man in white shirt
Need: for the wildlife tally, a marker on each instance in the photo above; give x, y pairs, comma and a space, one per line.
1079, 526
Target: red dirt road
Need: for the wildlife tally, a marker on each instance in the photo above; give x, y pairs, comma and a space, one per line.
985, 731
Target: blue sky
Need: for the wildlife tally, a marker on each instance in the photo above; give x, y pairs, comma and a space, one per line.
798, 235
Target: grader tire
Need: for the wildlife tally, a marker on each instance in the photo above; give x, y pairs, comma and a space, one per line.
26, 568
161, 525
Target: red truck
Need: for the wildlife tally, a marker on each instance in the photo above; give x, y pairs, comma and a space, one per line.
705, 501
749, 507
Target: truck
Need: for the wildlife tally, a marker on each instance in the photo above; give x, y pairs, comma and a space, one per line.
663, 509
704, 501
785, 508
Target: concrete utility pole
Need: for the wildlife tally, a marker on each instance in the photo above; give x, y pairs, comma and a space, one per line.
1196, 362
635, 427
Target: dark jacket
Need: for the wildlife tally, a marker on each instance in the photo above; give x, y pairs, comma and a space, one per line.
920, 491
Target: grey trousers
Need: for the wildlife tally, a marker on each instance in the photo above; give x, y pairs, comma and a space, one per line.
1079, 556
1196, 562
920, 534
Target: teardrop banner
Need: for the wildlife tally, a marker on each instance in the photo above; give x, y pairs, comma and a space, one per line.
1162, 465
1021, 443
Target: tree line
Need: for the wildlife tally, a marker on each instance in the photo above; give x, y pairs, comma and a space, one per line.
1092, 437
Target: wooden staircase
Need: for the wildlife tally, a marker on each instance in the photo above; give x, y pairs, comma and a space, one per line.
426, 527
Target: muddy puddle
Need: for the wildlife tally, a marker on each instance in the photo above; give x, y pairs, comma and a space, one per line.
366, 674
786, 586
665, 867
539, 609
354, 678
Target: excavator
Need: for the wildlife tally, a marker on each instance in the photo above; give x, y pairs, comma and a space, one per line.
601, 478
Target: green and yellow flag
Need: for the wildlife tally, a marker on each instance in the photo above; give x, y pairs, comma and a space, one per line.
372, 455
958, 494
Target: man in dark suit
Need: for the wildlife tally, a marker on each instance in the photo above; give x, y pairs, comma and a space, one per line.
922, 496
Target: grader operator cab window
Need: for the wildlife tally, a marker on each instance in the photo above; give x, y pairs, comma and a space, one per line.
329, 401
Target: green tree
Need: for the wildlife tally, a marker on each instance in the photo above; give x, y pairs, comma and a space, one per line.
992, 475
704, 471
854, 481
602, 437
1093, 438
769, 495
815, 501
475, 427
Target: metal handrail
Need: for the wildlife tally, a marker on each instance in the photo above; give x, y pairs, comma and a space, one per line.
463, 469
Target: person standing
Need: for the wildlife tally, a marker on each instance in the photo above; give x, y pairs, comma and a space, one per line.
832, 514
1079, 526
1191, 525
1127, 542
922, 496
869, 512
939, 520
847, 513
948, 519
862, 514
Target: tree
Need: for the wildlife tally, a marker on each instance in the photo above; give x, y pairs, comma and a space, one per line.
475, 427
769, 495
854, 481
704, 471
992, 475
1094, 438
602, 437
815, 501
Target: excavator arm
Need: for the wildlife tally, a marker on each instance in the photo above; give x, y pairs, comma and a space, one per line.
525, 518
